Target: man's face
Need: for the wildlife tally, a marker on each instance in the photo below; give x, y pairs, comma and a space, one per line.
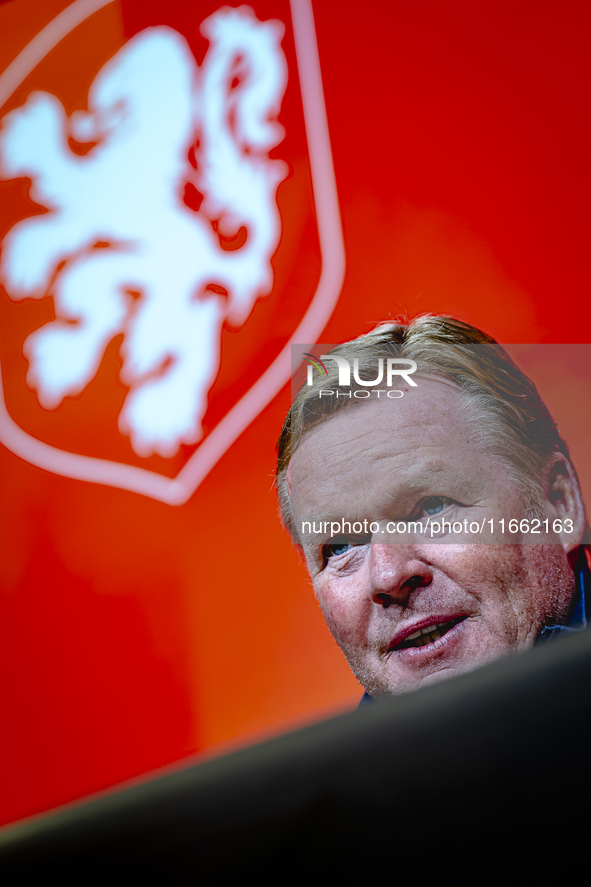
472, 597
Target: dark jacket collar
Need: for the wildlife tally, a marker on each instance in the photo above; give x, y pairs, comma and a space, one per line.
579, 618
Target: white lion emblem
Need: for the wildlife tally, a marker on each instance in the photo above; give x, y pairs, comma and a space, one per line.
119, 250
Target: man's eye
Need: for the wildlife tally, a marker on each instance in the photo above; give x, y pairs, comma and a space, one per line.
435, 505
336, 548
342, 546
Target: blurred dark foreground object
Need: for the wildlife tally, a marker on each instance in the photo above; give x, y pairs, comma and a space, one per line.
484, 767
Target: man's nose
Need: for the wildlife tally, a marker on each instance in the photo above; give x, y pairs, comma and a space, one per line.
396, 570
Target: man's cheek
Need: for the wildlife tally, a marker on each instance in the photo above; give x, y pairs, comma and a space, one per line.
484, 570
340, 614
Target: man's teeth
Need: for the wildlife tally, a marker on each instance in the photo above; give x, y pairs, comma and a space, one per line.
425, 635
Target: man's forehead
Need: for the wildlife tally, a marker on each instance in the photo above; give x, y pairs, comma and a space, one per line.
434, 405
414, 441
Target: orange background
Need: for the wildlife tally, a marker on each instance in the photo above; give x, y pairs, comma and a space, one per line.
135, 634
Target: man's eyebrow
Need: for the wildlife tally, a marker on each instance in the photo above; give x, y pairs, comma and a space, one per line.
324, 528
319, 525
419, 478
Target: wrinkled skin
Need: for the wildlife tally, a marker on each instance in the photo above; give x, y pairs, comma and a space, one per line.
414, 458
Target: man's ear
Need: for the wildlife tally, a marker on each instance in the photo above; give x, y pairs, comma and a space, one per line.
566, 506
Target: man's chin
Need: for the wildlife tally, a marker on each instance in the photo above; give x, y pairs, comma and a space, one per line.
467, 645
395, 684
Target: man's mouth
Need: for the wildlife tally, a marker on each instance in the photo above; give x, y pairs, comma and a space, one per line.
426, 635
